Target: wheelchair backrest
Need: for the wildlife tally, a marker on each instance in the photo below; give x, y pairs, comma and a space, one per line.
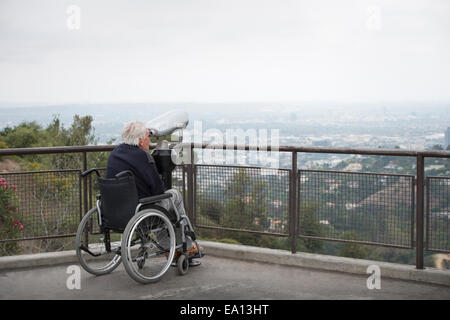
119, 198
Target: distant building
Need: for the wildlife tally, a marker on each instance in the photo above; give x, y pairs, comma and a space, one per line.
447, 138
353, 167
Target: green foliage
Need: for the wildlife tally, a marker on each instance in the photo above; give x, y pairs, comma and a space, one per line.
310, 226
352, 250
51, 194
246, 207
30, 134
10, 226
24, 135
210, 208
80, 133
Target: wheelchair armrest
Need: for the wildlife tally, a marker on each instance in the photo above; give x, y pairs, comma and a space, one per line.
155, 198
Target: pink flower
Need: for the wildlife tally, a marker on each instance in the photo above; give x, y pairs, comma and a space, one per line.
16, 223
21, 227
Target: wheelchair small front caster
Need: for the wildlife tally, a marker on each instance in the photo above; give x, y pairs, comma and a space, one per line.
183, 264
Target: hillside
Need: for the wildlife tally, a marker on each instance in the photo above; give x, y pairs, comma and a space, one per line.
8, 165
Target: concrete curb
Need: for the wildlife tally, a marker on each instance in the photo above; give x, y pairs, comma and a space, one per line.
328, 263
38, 259
265, 255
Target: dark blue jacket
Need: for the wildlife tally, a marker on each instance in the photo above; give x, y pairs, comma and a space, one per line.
141, 163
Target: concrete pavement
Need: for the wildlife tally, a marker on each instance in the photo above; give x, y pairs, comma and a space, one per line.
216, 278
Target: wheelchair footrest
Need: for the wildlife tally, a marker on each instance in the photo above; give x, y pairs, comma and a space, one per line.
88, 251
197, 255
116, 251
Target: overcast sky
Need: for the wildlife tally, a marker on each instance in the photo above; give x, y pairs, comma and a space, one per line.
224, 51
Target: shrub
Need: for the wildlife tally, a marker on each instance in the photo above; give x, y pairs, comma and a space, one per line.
10, 226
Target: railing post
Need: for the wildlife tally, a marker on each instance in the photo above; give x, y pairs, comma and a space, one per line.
85, 187
85, 196
419, 213
293, 204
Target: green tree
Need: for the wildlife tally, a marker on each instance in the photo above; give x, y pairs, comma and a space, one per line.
310, 226
24, 135
246, 207
211, 208
81, 132
352, 250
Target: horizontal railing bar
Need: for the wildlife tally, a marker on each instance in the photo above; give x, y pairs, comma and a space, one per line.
53, 150
244, 230
338, 150
436, 177
438, 250
40, 237
360, 173
292, 148
42, 171
371, 243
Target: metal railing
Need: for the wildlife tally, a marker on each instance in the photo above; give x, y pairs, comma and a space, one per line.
382, 209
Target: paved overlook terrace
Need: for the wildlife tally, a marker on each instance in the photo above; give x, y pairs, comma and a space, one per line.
414, 206
228, 272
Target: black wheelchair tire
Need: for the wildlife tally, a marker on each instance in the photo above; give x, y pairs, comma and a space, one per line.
83, 257
134, 222
183, 264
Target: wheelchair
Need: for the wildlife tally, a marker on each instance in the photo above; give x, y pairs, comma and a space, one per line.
140, 232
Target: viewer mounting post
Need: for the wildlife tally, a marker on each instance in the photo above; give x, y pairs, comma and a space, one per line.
190, 181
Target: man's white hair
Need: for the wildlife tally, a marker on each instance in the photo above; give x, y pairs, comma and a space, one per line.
133, 131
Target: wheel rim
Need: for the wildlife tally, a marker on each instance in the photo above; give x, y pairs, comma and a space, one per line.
90, 238
150, 245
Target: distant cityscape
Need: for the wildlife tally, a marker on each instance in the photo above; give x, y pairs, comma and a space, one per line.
415, 126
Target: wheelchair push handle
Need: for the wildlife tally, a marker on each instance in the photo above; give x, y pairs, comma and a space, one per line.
88, 172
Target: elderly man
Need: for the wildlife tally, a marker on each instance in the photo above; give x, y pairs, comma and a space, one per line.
133, 155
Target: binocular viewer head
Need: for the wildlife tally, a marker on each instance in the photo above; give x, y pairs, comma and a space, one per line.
167, 123
161, 126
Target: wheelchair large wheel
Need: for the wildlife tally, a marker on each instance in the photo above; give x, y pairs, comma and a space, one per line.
148, 246
92, 252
